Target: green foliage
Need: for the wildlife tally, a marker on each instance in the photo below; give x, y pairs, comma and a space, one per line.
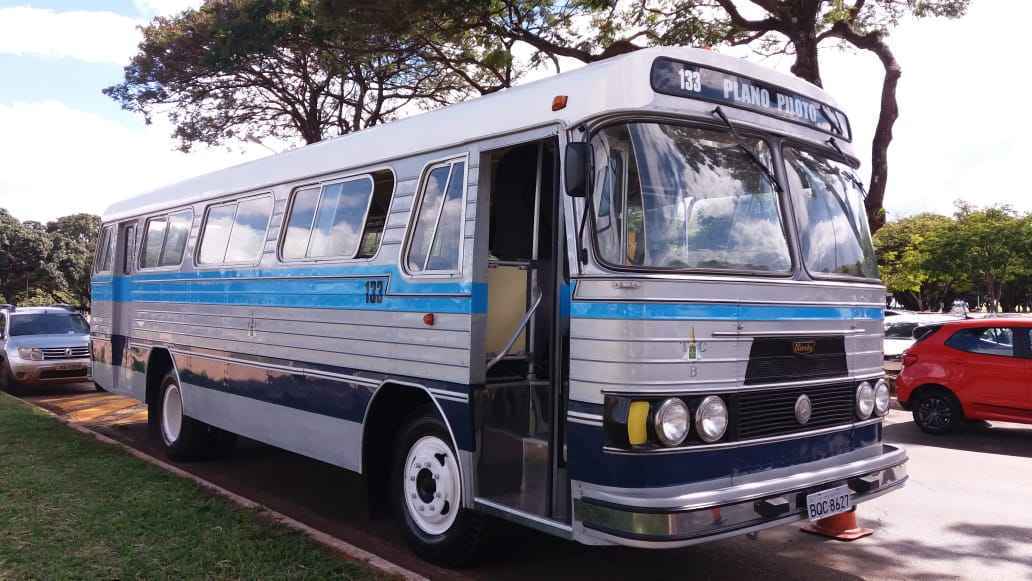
47, 264
249, 69
927, 260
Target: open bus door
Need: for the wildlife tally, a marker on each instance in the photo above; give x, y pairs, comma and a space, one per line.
520, 409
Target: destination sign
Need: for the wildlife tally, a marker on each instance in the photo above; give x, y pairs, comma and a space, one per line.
694, 81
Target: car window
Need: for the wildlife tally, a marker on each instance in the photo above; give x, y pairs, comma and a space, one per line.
900, 331
48, 324
988, 341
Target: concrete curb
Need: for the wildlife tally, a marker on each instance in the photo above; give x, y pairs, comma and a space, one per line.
327, 540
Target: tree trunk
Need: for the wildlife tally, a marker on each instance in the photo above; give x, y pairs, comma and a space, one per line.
875, 42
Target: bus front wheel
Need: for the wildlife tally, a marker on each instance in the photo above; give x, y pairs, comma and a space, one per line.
428, 493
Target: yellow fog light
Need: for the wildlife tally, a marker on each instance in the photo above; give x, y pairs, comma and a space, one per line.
637, 420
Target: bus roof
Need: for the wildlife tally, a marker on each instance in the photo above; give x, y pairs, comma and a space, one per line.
593, 89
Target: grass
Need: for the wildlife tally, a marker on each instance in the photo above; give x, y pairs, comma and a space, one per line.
74, 508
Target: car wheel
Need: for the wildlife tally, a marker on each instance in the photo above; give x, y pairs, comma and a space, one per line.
183, 437
937, 412
7, 382
427, 484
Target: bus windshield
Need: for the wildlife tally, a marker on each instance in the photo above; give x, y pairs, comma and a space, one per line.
676, 197
829, 205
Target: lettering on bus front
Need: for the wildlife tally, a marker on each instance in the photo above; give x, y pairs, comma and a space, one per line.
691, 80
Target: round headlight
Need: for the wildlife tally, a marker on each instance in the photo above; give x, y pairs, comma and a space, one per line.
881, 397
864, 400
711, 419
672, 421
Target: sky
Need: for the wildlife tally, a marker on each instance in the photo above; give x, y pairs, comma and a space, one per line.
963, 131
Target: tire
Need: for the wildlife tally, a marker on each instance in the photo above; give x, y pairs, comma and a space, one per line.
426, 475
182, 437
937, 411
98, 388
7, 382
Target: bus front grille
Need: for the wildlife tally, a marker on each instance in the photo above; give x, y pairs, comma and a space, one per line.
772, 412
783, 359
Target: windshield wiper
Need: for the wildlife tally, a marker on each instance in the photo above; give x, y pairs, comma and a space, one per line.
849, 176
752, 155
833, 122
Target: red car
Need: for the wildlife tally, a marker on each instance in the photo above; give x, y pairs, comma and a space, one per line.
968, 370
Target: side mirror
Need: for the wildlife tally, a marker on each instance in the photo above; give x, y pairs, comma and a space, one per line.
577, 169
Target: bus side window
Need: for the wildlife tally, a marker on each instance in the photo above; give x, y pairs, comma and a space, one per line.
437, 233
104, 251
234, 232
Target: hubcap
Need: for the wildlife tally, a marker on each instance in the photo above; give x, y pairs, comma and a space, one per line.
936, 412
432, 485
172, 414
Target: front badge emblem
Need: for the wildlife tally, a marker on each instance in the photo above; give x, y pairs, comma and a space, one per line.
803, 409
804, 347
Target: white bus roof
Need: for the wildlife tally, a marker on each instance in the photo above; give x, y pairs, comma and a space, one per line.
600, 87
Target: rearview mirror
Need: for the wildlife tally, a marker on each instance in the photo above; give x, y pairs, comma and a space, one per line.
577, 171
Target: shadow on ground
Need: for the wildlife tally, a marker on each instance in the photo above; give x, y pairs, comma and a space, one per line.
1001, 438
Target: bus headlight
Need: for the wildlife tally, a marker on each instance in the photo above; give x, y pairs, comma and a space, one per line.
864, 400
881, 397
711, 419
672, 421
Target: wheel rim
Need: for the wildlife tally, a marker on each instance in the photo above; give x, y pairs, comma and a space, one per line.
172, 414
936, 413
432, 485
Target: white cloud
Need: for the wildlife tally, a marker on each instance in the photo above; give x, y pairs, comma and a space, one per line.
59, 160
151, 8
91, 36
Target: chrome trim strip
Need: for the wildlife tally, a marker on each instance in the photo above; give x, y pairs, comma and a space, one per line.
767, 483
744, 443
584, 422
297, 370
518, 516
585, 416
874, 286
800, 333
736, 388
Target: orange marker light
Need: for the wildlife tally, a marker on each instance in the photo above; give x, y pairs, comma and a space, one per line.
559, 102
428, 319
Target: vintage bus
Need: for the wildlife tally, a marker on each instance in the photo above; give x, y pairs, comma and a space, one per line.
635, 303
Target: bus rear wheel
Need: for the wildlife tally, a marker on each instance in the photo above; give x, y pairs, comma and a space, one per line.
427, 488
182, 437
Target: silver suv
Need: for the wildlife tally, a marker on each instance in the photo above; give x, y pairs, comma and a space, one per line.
43, 345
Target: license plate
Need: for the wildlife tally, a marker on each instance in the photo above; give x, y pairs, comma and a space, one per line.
69, 366
828, 502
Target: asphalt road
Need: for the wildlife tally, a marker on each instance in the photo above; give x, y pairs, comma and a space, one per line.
965, 514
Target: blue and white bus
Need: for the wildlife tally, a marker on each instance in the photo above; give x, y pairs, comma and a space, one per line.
635, 304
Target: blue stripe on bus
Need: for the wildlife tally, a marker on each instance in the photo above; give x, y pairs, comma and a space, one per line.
310, 287
702, 312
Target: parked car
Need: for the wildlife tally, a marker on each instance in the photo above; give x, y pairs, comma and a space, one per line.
899, 333
968, 370
41, 345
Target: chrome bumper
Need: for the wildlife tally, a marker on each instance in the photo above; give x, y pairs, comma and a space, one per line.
756, 502
54, 371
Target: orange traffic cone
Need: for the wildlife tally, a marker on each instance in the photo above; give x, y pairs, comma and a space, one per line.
841, 527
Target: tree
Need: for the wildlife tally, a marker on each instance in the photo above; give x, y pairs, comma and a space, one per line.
592, 30
251, 69
995, 243
74, 242
23, 253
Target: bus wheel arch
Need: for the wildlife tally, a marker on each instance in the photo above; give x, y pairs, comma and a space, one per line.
391, 406
159, 363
